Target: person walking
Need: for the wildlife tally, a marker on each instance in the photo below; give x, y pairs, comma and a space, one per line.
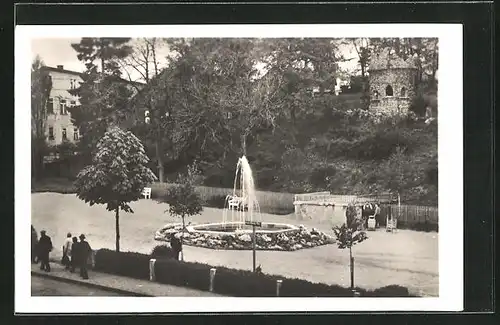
84, 252
44, 249
75, 254
176, 245
67, 251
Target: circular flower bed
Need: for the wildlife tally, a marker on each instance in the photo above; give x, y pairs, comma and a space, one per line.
236, 236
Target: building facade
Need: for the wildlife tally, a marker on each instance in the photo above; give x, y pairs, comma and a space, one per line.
392, 82
59, 127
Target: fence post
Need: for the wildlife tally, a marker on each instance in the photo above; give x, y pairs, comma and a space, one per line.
278, 287
212, 277
152, 275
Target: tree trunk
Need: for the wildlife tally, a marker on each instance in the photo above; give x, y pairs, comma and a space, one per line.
351, 263
159, 154
117, 228
182, 238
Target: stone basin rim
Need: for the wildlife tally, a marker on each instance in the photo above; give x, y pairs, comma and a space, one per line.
192, 229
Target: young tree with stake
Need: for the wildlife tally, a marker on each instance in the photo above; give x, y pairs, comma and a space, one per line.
182, 198
348, 235
117, 175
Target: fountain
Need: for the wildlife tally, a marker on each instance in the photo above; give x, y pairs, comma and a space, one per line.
233, 233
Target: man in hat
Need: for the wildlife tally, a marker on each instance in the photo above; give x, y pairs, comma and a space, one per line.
84, 251
44, 248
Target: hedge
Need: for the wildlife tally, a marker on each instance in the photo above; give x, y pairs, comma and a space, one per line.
129, 264
229, 282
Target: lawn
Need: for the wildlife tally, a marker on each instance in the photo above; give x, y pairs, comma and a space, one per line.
407, 258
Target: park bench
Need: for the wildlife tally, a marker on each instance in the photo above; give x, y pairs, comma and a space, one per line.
146, 192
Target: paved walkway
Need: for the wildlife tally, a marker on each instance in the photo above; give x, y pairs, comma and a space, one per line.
119, 284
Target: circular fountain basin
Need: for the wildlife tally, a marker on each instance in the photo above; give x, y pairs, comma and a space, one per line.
238, 236
241, 228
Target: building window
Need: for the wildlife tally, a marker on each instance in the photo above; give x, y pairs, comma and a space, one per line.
51, 133
75, 134
62, 104
389, 91
64, 134
403, 92
50, 106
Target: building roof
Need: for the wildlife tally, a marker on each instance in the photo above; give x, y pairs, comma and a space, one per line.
386, 60
80, 74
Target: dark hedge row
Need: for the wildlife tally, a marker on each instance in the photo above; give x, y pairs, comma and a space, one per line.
229, 282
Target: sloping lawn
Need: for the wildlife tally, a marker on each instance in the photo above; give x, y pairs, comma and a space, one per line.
406, 258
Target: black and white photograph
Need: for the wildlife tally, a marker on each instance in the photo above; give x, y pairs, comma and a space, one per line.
229, 167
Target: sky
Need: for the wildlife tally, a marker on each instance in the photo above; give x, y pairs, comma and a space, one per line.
58, 51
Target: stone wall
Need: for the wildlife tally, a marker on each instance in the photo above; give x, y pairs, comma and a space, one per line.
398, 79
322, 212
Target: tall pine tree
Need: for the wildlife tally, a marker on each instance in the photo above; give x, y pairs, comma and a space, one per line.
103, 94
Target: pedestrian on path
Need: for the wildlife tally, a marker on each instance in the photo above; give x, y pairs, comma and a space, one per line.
176, 245
44, 249
84, 252
67, 251
75, 254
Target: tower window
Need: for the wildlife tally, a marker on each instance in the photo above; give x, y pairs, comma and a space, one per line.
403, 92
75, 134
64, 134
375, 94
51, 133
389, 91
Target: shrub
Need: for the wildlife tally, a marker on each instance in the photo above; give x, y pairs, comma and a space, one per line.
162, 251
302, 288
128, 264
389, 291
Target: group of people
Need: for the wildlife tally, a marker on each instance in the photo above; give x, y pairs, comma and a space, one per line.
75, 253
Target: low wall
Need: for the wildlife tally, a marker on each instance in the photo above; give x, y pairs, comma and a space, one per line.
319, 211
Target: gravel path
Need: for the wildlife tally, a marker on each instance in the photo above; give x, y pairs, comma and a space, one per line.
407, 258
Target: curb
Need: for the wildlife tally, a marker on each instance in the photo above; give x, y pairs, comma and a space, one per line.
89, 284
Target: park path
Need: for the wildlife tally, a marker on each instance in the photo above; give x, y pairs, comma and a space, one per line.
118, 284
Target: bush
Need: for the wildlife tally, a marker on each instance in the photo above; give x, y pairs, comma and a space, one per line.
241, 283
56, 185
389, 291
302, 288
128, 264
162, 251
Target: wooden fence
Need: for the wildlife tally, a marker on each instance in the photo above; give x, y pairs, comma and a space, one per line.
415, 214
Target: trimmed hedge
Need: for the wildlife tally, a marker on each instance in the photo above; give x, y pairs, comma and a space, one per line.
133, 265
229, 282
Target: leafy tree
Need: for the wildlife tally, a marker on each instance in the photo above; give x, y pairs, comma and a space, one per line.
182, 198
41, 85
117, 175
349, 235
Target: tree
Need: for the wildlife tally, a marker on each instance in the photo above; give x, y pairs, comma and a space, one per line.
103, 94
182, 198
106, 51
117, 175
145, 61
41, 85
349, 235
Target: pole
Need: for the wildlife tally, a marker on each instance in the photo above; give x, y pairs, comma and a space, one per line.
352, 268
254, 243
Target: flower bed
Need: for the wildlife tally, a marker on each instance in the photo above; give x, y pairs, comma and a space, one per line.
277, 237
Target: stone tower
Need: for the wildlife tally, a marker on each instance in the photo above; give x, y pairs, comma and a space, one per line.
392, 82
